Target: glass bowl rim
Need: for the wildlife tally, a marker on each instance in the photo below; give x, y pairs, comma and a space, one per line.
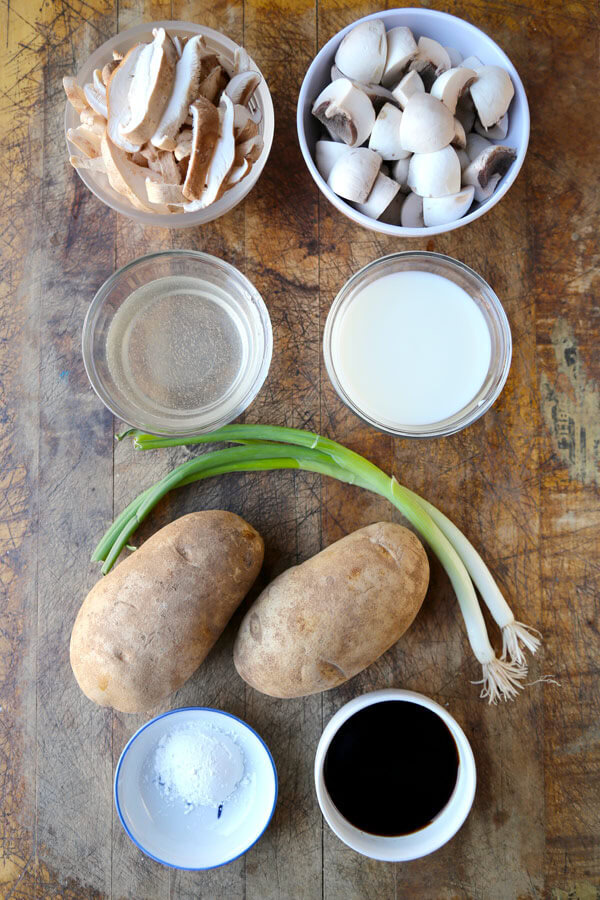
454, 423
98, 301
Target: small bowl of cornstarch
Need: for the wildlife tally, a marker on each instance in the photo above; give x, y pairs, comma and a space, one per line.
195, 788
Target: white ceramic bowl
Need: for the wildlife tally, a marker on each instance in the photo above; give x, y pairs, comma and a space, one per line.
451, 32
225, 47
439, 831
195, 839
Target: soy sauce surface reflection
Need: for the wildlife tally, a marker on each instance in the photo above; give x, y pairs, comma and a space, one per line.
391, 767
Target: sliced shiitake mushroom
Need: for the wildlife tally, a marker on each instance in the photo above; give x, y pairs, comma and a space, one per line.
150, 89
185, 90
205, 134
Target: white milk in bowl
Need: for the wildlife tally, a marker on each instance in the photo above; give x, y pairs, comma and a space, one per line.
411, 349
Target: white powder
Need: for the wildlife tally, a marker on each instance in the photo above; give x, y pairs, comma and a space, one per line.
200, 768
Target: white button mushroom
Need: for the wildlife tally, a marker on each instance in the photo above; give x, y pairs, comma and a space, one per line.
476, 145
382, 194
354, 174
427, 125
402, 48
400, 173
455, 56
412, 212
362, 53
346, 112
497, 132
431, 60
487, 169
412, 83
385, 137
451, 84
459, 141
442, 210
472, 62
435, 174
327, 154
491, 93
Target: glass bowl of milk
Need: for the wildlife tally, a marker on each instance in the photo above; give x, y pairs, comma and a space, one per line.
177, 343
417, 345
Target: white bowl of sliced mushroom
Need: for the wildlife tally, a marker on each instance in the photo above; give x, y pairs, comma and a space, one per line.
170, 123
413, 122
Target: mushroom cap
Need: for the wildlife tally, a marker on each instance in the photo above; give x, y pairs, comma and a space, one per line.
460, 139
327, 154
491, 92
151, 88
497, 132
431, 60
185, 89
346, 112
449, 86
427, 125
401, 49
494, 160
385, 136
363, 52
412, 212
400, 174
435, 174
442, 210
476, 144
412, 83
382, 193
354, 174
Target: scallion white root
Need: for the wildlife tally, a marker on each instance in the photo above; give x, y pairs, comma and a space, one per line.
515, 635
502, 680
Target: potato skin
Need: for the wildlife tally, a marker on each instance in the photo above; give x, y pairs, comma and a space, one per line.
144, 629
320, 623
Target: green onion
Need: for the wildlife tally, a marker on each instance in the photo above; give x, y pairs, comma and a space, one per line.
265, 447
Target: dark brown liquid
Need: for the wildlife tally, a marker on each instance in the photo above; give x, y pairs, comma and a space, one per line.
391, 767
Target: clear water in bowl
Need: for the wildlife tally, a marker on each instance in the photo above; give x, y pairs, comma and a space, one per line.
177, 345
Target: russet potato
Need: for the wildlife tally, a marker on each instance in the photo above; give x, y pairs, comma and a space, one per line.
320, 623
143, 630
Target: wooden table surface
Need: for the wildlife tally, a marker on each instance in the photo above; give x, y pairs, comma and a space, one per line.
523, 482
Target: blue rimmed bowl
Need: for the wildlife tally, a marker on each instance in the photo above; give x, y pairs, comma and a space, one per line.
200, 837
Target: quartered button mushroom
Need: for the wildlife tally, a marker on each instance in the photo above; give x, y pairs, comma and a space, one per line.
459, 141
385, 137
431, 60
451, 84
401, 50
362, 53
491, 93
377, 94
412, 83
427, 125
442, 210
497, 132
488, 168
327, 154
434, 174
400, 174
346, 112
411, 215
354, 174
383, 193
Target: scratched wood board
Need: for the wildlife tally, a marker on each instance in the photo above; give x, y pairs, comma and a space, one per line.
522, 482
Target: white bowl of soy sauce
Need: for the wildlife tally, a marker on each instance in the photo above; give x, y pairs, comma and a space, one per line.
395, 775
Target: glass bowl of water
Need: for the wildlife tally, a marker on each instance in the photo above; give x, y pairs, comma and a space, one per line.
177, 343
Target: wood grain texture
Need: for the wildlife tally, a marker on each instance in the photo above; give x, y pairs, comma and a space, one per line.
523, 482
